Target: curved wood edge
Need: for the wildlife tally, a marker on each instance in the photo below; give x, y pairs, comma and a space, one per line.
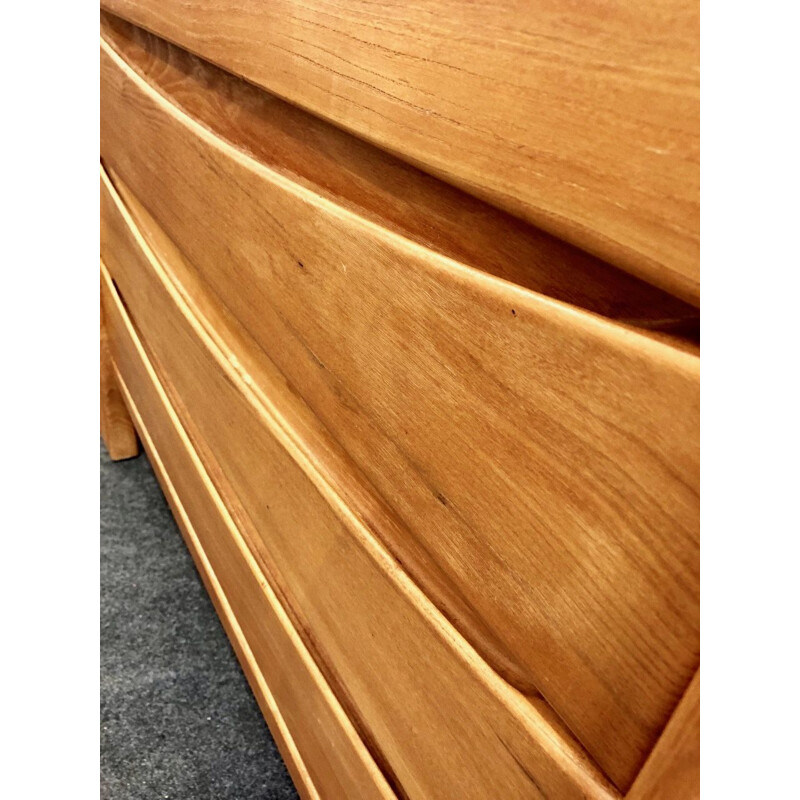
286, 740
390, 192
672, 772
662, 345
581, 120
255, 678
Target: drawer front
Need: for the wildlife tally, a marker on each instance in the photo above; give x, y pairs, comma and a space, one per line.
327, 757
539, 463
438, 720
583, 119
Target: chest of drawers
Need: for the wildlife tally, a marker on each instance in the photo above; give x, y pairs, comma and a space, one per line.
407, 324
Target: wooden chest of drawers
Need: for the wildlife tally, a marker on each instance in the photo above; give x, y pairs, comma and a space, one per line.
408, 327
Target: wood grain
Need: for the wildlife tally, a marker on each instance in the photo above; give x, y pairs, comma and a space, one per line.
116, 426
673, 769
319, 741
583, 119
389, 192
541, 461
438, 721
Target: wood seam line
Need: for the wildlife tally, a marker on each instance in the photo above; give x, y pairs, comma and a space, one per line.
279, 428
634, 789
247, 555
437, 262
221, 598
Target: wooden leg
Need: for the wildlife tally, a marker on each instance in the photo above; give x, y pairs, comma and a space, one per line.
116, 426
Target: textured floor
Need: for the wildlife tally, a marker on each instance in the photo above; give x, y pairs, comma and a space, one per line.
178, 719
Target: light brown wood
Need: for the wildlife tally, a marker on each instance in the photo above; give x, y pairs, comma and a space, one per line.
116, 426
390, 193
317, 739
436, 718
673, 770
540, 461
583, 119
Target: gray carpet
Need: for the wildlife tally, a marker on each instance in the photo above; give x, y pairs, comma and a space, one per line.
177, 716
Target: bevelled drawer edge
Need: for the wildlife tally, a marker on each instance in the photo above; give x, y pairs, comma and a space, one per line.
314, 771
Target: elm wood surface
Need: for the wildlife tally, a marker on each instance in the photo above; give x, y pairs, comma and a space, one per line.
325, 755
456, 393
389, 192
583, 119
673, 769
116, 426
438, 720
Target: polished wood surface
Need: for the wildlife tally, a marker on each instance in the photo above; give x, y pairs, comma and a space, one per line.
499, 429
583, 119
438, 721
390, 193
327, 758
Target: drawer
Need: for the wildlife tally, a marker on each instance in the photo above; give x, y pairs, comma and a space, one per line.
531, 464
583, 119
438, 720
327, 756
